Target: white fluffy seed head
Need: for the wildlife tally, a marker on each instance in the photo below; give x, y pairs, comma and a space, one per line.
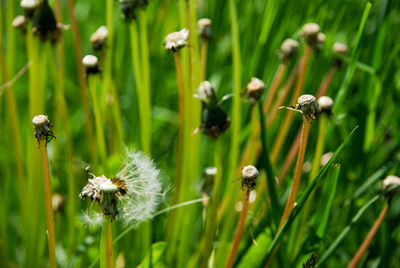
144, 189
391, 181
40, 120
250, 173
289, 47
90, 61
29, 4
325, 103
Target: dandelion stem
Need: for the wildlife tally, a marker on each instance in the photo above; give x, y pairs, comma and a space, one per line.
51, 236
274, 85
203, 63
106, 249
81, 79
239, 230
297, 175
327, 81
368, 239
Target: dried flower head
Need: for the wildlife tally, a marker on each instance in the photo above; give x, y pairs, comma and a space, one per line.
176, 40
249, 177
391, 185
57, 202
340, 48
326, 104
91, 64
20, 23
308, 106
128, 8
208, 180
132, 195
321, 38
42, 128
310, 33
204, 28
45, 25
214, 120
288, 49
254, 90
98, 38
29, 7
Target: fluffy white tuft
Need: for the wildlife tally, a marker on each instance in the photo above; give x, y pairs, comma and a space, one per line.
144, 189
91, 218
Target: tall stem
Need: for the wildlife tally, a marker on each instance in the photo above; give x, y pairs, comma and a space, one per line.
203, 63
364, 246
239, 230
51, 236
274, 85
106, 249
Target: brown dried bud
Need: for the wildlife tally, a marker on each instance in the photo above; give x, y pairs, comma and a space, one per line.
176, 40
98, 38
326, 104
42, 128
204, 28
249, 177
289, 47
254, 89
310, 33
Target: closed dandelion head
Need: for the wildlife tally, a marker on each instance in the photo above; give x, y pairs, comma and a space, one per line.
390, 185
99, 37
131, 196
326, 104
308, 106
288, 49
249, 177
310, 33
254, 89
206, 93
176, 40
91, 64
128, 8
339, 49
42, 125
45, 25
204, 28
29, 7
19, 22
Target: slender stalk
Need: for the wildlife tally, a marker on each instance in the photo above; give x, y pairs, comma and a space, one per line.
106, 249
239, 230
146, 88
368, 239
327, 80
274, 85
51, 236
297, 175
203, 63
282, 96
93, 87
284, 130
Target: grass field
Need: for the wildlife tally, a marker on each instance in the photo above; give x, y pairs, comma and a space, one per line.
175, 210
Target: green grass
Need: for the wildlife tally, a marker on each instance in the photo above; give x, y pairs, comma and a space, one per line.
139, 76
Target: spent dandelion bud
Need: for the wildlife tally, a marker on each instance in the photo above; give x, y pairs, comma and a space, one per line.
42, 125
310, 33
249, 177
29, 7
321, 38
45, 25
132, 195
325, 104
214, 119
91, 64
254, 90
208, 180
176, 40
128, 8
99, 37
340, 48
57, 202
204, 28
288, 49
20, 23
308, 106
391, 185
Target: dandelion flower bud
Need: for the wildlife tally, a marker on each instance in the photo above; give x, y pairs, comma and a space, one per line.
91, 64
254, 90
391, 185
29, 7
206, 92
176, 40
289, 47
308, 106
20, 23
340, 48
326, 104
310, 33
204, 28
98, 38
249, 176
42, 128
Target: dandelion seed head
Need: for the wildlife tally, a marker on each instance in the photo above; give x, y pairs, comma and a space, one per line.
176, 40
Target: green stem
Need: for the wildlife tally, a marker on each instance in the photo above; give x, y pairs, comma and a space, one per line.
106, 251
